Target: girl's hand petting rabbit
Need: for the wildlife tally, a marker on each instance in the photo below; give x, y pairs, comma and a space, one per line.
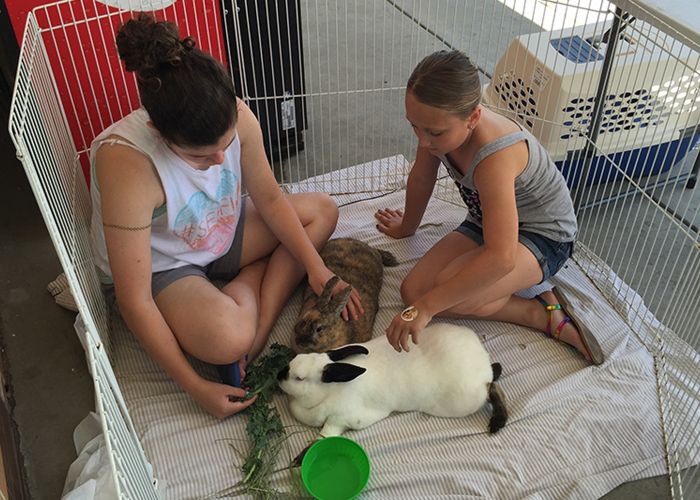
317, 280
407, 326
319, 326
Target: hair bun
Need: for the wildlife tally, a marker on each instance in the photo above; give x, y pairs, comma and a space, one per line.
145, 45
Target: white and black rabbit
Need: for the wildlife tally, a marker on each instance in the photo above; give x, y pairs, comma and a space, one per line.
448, 374
319, 326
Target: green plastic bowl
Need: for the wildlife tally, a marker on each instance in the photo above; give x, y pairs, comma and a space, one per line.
335, 468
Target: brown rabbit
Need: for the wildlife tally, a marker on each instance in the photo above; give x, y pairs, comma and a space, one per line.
320, 327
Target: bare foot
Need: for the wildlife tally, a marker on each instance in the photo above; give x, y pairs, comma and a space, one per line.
569, 334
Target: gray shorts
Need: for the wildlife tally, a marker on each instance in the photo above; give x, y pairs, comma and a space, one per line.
224, 268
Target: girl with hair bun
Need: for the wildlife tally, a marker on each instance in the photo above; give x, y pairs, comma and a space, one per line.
520, 227
169, 218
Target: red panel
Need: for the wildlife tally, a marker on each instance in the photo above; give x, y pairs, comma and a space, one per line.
18, 10
93, 86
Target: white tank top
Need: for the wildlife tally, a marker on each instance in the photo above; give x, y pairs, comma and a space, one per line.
197, 223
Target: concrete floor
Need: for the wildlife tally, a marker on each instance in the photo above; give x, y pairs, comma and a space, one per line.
47, 370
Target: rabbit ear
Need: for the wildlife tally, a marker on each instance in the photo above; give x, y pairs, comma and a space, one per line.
348, 350
336, 305
326, 293
341, 372
283, 374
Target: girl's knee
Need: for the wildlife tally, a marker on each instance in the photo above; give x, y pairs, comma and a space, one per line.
230, 346
321, 217
315, 208
229, 332
327, 208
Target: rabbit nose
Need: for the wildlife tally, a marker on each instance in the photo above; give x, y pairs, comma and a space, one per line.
283, 373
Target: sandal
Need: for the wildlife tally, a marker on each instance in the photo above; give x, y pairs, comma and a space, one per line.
587, 337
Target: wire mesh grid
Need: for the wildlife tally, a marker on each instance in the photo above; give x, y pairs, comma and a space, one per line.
39, 129
614, 95
132, 473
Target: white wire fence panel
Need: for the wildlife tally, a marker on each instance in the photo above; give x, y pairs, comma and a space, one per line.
39, 129
132, 473
614, 99
349, 101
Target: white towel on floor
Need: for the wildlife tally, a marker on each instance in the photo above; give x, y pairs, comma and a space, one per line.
60, 290
575, 431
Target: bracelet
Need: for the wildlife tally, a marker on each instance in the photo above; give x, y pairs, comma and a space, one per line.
409, 314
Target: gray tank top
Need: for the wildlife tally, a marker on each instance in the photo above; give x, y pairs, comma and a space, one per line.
541, 195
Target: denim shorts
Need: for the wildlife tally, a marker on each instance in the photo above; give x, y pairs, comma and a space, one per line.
551, 255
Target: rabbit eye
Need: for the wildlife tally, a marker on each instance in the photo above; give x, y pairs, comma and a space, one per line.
299, 379
319, 329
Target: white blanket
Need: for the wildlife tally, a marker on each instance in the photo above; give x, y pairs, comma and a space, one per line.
574, 430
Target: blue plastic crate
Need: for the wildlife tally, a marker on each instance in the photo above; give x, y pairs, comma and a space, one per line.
636, 163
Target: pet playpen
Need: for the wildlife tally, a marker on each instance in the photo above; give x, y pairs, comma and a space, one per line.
613, 91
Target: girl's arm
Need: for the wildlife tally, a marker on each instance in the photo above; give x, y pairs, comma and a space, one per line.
272, 204
419, 188
130, 190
